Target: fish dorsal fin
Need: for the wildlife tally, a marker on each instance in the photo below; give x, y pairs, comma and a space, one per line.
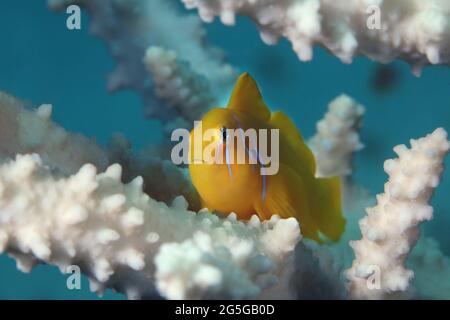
246, 98
288, 129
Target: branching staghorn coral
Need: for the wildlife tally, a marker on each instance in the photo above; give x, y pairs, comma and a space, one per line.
416, 31
313, 272
130, 27
51, 211
123, 239
90, 220
337, 137
181, 87
428, 262
336, 142
43, 204
35, 209
24, 130
334, 145
390, 230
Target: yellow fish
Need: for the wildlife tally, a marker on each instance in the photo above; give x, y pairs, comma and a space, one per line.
293, 191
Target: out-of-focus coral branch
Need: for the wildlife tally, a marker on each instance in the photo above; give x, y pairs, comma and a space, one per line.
32, 131
336, 142
337, 137
130, 27
390, 230
178, 85
416, 31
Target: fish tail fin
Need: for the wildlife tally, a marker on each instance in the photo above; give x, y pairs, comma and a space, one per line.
328, 213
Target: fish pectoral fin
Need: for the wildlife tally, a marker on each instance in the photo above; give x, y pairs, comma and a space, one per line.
287, 196
327, 207
246, 98
288, 129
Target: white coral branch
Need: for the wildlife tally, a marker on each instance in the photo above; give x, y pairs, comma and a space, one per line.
416, 31
178, 85
123, 239
337, 137
391, 229
32, 131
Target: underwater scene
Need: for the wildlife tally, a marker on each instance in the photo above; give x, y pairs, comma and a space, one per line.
224, 149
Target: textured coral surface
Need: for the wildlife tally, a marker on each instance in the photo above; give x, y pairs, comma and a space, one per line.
416, 31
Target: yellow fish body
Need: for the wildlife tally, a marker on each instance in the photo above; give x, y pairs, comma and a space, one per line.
293, 191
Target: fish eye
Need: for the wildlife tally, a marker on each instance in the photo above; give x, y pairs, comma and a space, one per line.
223, 132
